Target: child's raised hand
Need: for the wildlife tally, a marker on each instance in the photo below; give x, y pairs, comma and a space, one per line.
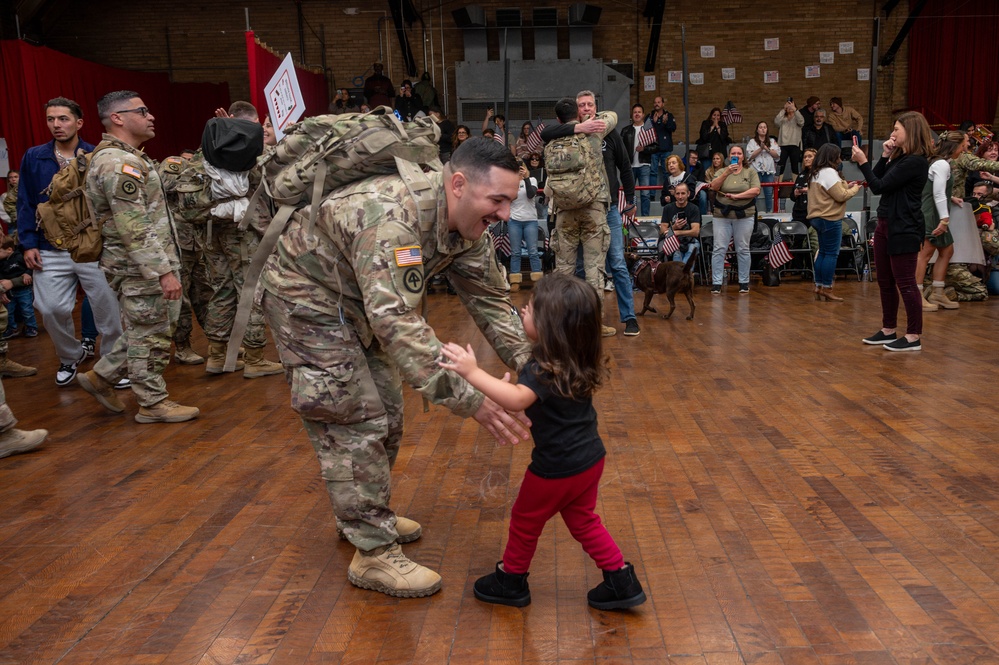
460, 360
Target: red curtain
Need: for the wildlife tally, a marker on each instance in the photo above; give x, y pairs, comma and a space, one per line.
36, 74
263, 63
954, 62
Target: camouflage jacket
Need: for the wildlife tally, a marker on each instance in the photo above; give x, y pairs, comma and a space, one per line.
370, 256
964, 164
139, 238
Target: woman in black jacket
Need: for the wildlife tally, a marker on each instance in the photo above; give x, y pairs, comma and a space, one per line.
899, 177
714, 132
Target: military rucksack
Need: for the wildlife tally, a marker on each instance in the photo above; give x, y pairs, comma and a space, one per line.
573, 179
322, 154
188, 189
67, 219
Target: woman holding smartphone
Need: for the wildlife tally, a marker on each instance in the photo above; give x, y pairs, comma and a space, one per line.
736, 187
899, 177
828, 193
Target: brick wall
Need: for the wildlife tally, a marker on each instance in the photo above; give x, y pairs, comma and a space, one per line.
200, 41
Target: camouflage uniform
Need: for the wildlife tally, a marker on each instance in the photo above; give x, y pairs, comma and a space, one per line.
963, 286
194, 278
140, 245
965, 163
586, 226
343, 304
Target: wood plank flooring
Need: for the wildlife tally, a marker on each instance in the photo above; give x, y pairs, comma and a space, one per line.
787, 494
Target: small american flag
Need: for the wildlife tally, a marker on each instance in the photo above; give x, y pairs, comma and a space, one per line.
646, 137
408, 256
731, 115
779, 253
670, 244
534, 142
501, 240
623, 202
499, 138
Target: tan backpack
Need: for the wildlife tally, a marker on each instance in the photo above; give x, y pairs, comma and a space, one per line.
67, 220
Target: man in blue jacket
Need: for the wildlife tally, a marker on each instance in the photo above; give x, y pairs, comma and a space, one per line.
56, 275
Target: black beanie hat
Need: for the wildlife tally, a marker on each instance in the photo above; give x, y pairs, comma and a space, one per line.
232, 144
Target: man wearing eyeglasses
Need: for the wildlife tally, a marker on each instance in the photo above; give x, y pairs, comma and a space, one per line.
141, 260
56, 275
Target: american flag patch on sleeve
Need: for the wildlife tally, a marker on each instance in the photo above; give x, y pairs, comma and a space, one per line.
408, 256
128, 169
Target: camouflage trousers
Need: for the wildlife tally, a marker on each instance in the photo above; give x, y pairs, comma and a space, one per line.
196, 294
7, 419
587, 227
350, 401
227, 253
143, 350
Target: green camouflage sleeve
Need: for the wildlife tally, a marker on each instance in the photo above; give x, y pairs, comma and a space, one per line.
476, 277
388, 263
967, 162
610, 117
124, 181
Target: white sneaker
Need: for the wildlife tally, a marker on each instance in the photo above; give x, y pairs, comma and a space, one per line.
66, 373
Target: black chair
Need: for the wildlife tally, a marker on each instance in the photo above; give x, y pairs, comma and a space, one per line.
795, 235
759, 245
707, 240
869, 246
852, 255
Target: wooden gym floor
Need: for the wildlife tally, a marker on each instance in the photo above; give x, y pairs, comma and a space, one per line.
787, 495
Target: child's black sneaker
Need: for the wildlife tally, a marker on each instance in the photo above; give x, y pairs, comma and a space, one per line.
503, 588
619, 590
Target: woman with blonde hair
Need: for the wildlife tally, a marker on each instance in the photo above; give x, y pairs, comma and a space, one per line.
899, 178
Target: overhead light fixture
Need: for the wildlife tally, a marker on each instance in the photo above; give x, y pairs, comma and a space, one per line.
351, 11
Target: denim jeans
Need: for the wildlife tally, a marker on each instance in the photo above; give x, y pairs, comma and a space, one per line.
768, 192
682, 254
657, 175
725, 228
88, 328
526, 231
642, 179
830, 233
617, 268
22, 301
702, 200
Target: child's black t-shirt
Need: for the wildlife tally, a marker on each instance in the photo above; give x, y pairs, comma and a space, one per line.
564, 430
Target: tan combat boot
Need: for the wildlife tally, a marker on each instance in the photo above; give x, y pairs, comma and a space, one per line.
185, 355
257, 365
14, 370
216, 358
103, 390
938, 297
15, 441
389, 571
607, 331
515, 279
408, 530
166, 411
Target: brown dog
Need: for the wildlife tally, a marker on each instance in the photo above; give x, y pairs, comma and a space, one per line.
671, 278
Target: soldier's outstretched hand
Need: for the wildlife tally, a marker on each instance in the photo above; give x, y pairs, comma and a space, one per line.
506, 428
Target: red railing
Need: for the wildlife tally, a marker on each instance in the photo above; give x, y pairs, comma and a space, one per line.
776, 206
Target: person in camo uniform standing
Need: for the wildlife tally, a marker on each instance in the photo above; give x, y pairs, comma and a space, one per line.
140, 259
12, 440
344, 302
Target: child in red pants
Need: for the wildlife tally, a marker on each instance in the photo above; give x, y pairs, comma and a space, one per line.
555, 390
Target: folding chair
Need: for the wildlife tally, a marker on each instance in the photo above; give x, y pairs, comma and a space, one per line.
795, 235
759, 245
852, 256
869, 247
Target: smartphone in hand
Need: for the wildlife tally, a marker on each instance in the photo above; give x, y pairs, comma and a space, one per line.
855, 141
